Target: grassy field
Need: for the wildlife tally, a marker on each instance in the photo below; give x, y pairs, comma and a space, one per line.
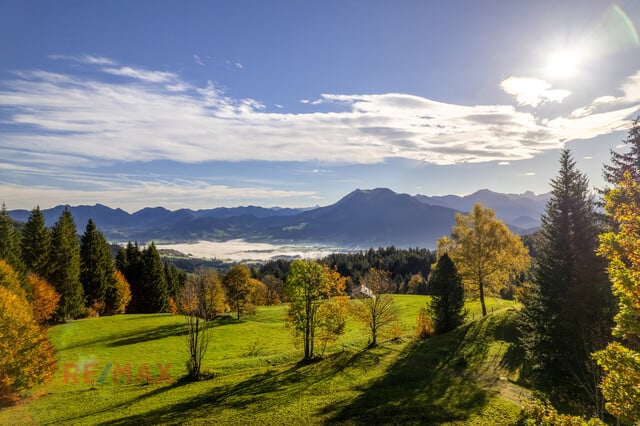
457, 378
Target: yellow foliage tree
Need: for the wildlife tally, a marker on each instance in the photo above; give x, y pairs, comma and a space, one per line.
26, 355
122, 291
485, 252
621, 360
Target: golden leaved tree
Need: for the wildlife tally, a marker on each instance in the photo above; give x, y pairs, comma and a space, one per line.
26, 355
621, 360
485, 252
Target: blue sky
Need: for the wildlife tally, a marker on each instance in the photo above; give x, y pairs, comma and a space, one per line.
202, 104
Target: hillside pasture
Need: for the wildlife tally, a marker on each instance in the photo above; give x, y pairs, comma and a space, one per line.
461, 377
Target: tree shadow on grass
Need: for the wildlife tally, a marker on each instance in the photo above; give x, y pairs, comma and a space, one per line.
432, 382
258, 389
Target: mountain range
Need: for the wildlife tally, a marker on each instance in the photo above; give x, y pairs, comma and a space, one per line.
363, 218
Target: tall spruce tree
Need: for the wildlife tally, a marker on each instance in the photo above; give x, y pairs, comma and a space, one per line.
36, 243
447, 300
96, 268
64, 267
129, 262
568, 308
9, 241
154, 284
627, 161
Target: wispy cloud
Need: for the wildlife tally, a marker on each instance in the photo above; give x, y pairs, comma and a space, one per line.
85, 59
142, 74
198, 60
103, 121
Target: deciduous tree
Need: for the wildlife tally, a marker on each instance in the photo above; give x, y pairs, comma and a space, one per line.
26, 356
122, 292
621, 359
201, 299
485, 252
45, 299
378, 314
308, 287
238, 286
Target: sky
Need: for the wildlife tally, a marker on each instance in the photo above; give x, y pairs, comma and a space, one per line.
203, 104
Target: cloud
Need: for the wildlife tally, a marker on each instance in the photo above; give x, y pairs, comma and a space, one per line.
198, 60
134, 195
239, 66
84, 59
532, 91
99, 120
142, 74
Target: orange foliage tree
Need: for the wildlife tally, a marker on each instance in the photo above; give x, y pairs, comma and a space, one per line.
45, 298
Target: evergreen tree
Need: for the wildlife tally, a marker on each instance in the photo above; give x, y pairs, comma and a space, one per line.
9, 241
36, 243
447, 301
568, 308
628, 161
129, 262
64, 267
154, 284
96, 268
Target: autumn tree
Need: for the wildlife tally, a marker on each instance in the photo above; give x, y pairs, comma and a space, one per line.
378, 314
36, 243
485, 252
64, 267
44, 298
568, 305
308, 287
621, 359
447, 300
9, 240
201, 299
122, 294
26, 355
96, 269
238, 286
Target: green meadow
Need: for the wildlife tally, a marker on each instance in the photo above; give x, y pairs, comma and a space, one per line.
128, 369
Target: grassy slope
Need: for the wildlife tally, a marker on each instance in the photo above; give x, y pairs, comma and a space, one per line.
258, 381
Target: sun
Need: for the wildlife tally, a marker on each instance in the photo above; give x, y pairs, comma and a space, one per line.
564, 63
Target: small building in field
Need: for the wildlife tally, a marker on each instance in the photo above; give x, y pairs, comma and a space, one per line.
362, 292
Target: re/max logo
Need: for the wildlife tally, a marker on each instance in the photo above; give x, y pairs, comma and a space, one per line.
88, 373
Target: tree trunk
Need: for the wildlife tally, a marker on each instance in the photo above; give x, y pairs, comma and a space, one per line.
484, 307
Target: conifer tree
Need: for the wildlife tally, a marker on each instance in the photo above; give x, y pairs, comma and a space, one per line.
129, 262
96, 268
9, 241
628, 161
154, 284
447, 300
568, 306
64, 267
36, 243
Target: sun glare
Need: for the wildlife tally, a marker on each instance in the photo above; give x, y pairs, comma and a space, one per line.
563, 63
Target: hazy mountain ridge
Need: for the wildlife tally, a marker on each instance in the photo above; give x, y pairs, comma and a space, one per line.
362, 218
